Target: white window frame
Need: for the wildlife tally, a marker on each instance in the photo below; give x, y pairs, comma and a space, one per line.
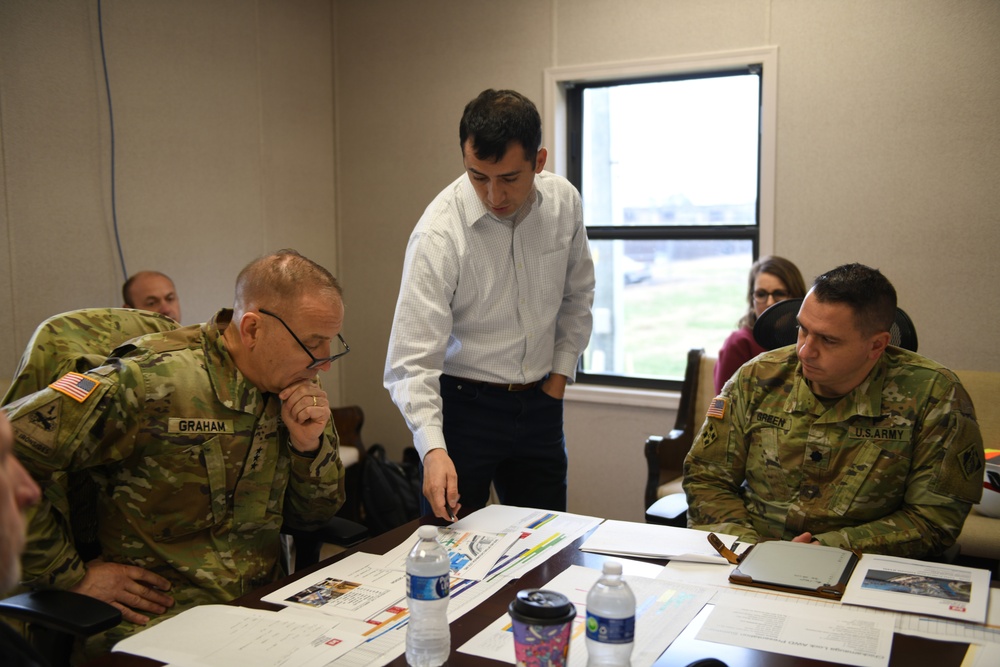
555, 138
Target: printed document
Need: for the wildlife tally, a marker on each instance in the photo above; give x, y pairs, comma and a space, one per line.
473, 554
645, 540
919, 587
820, 630
228, 636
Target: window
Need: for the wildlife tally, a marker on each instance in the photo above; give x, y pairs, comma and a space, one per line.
671, 167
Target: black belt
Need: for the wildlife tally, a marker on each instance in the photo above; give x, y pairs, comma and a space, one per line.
506, 386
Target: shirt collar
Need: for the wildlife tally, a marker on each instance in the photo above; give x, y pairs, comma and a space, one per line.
864, 400
231, 387
478, 210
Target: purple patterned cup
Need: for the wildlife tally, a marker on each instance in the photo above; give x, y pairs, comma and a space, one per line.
542, 621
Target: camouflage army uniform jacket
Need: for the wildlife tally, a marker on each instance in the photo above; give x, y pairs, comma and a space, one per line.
892, 467
195, 467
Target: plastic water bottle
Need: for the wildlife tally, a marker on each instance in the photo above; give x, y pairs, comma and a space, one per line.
610, 619
428, 582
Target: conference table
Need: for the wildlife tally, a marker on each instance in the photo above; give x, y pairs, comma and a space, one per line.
907, 650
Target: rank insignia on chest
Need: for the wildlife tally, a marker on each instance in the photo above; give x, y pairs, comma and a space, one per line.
76, 386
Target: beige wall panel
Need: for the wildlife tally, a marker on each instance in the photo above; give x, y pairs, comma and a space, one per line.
889, 154
404, 73
185, 90
597, 31
54, 133
224, 141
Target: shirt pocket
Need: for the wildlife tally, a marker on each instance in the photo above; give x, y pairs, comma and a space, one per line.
774, 466
872, 483
173, 494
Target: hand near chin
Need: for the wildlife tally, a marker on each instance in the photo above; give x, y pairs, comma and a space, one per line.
305, 410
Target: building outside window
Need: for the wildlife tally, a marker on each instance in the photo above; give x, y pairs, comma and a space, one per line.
669, 167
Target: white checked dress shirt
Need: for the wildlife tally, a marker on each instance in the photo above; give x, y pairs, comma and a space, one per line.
489, 299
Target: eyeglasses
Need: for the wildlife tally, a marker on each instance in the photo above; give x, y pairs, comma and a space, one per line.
316, 361
761, 295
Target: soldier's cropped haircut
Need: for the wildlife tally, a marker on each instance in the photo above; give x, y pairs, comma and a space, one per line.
127, 287
281, 278
497, 117
869, 294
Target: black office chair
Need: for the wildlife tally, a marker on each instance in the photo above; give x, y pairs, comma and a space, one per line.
53, 618
778, 326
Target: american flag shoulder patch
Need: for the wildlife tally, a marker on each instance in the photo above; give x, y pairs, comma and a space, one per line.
76, 386
717, 408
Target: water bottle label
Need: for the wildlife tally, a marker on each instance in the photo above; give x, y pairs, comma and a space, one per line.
610, 630
428, 588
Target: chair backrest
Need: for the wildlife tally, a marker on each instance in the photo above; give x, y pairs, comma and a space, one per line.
665, 456
348, 421
777, 327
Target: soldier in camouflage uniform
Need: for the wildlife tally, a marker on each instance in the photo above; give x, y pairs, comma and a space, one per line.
840, 439
203, 441
78, 340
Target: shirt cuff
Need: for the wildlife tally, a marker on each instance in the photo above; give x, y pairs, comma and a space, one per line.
564, 363
427, 439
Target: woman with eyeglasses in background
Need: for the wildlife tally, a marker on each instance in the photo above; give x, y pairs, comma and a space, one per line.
772, 279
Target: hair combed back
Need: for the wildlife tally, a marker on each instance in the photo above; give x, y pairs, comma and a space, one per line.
279, 278
496, 118
781, 268
869, 294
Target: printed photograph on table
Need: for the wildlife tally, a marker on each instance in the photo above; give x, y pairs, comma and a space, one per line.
948, 589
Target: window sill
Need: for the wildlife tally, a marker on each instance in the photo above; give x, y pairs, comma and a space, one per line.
642, 398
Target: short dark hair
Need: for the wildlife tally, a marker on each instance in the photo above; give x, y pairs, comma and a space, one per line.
868, 293
496, 118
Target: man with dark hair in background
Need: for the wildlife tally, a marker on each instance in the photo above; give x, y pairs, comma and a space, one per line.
492, 317
840, 439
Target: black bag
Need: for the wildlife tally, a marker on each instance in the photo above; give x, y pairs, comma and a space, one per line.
390, 491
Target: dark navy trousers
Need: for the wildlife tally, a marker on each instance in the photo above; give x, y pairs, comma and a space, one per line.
513, 439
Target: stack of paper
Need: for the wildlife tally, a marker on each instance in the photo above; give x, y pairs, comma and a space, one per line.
644, 540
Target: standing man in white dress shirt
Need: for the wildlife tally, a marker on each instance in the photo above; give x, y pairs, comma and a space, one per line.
493, 314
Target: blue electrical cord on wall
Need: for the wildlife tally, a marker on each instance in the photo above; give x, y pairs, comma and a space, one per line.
111, 124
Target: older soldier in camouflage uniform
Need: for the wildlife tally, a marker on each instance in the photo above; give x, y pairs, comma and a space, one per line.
840, 439
203, 440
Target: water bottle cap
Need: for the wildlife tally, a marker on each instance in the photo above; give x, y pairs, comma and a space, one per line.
427, 532
612, 567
